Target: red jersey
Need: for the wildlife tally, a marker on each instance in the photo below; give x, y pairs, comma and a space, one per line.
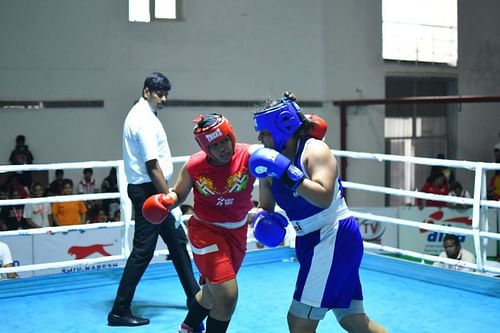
431, 188
222, 193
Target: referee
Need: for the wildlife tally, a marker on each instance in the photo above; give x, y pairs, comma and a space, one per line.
148, 167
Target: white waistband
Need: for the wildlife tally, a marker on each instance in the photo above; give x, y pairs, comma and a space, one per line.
337, 211
226, 225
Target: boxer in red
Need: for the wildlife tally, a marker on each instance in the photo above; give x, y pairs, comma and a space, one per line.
222, 189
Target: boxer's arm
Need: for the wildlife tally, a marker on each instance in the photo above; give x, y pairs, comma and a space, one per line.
183, 185
321, 167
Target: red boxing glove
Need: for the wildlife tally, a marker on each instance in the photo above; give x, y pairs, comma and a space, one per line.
157, 207
318, 130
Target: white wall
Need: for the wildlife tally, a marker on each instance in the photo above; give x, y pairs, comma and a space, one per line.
223, 50
479, 74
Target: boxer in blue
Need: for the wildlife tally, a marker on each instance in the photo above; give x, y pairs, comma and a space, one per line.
299, 173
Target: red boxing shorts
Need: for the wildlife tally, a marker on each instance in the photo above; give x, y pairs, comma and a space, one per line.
218, 252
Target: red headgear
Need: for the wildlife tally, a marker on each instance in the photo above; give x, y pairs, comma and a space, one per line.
318, 130
213, 133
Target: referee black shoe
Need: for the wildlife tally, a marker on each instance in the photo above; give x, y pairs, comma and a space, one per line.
126, 319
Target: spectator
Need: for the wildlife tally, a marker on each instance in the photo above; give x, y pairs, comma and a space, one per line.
435, 184
12, 215
110, 185
494, 186
87, 186
4, 194
494, 183
56, 187
87, 183
457, 190
69, 213
38, 215
117, 216
6, 259
496, 150
3, 209
448, 172
22, 155
14, 183
101, 216
453, 250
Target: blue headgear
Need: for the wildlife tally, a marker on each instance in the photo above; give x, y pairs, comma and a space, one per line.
282, 120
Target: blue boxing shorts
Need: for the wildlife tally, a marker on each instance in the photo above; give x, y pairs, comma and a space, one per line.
328, 277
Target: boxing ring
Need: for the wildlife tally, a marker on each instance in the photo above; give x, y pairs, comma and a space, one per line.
405, 296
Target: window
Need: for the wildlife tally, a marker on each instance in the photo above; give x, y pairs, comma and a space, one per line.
416, 130
148, 10
420, 30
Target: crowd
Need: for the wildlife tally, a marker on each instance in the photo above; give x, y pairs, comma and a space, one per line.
442, 181
39, 215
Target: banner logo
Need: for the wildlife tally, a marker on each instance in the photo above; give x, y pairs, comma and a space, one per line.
82, 252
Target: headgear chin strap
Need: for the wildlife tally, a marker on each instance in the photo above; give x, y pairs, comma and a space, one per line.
213, 133
282, 120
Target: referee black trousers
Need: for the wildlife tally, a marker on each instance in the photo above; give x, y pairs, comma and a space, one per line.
144, 244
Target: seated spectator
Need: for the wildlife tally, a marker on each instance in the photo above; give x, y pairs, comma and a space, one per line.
100, 216
87, 183
87, 186
14, 183
457, 190
3, 196
117, 216
435, 184
453, 250
447, 171
69, 213
6, 259
496, 151
56, 187
494, 183
110, 185
38, 215
12, 215
494, 186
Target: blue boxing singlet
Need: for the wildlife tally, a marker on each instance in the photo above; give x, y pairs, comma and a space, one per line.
328, 246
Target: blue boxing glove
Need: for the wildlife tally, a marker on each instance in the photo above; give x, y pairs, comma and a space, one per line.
268, 162
269, 228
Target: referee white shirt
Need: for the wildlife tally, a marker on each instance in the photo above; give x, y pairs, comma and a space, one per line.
144, 139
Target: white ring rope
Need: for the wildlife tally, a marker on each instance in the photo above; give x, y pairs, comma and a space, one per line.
62, 229
478, 202
63, 198
423, 256
420, 225
417, 160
